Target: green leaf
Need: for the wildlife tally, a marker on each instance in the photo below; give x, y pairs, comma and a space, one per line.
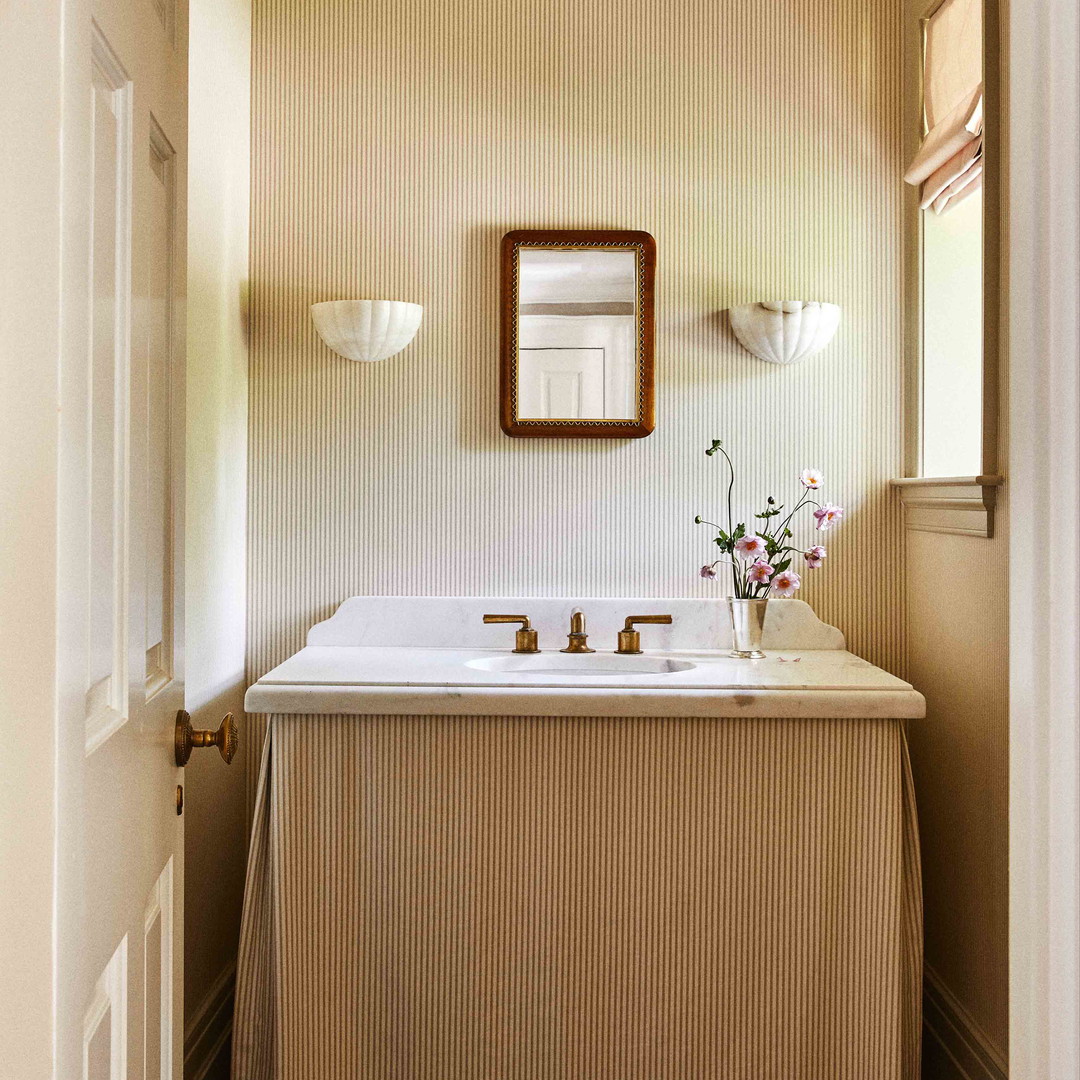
782, 565
740, 532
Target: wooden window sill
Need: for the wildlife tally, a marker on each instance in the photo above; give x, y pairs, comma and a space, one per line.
963, 505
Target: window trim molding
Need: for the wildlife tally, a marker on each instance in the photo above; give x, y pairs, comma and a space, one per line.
961, 505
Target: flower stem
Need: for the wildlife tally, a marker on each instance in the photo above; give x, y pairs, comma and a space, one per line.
730, 517
802, 502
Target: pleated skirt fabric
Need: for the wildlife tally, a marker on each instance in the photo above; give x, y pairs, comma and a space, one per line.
503, 898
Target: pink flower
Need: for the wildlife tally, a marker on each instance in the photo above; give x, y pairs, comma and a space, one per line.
811, 478
786, 583
828, 515
814, 557
760, 571
708, 571
750, 547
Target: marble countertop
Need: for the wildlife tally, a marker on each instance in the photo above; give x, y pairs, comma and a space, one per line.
440, 681
432, 656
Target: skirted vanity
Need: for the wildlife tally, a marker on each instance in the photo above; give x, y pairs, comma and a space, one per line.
475, 863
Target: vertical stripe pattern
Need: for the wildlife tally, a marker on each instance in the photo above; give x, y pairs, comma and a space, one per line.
395, 141
516, 899
449, 898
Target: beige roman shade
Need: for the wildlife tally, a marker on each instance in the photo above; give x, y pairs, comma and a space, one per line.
949, 164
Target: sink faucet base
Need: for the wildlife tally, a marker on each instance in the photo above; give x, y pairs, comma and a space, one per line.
577, 641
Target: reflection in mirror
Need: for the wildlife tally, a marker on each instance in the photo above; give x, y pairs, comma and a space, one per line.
577, 334
576, 350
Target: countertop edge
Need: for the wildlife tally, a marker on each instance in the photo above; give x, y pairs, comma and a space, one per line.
315, 699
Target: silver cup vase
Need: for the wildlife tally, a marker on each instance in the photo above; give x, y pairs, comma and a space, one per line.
747, 626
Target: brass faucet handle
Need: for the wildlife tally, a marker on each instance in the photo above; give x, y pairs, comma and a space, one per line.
630, 639
632, 619
525, 639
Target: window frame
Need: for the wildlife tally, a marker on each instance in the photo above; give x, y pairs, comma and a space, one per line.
956, 504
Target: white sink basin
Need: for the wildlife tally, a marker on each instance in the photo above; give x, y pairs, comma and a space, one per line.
557, 663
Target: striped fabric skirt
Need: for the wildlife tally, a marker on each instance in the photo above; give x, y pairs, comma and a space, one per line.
501, 898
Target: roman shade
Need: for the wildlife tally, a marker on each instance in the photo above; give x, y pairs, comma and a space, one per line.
949, 164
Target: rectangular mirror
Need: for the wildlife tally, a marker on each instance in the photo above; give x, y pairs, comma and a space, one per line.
577, 334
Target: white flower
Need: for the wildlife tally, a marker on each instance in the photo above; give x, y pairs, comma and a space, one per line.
811, 478
761, 571
827, 516
750, 547
785, 583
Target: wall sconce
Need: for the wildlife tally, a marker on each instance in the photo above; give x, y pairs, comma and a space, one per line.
784, 331
367, 330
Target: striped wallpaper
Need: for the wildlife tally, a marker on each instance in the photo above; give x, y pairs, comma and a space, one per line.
395, 141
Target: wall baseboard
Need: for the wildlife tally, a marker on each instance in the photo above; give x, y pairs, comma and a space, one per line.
207, 1033
959, 1040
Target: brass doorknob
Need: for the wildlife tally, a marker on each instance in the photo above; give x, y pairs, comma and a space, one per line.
226, 738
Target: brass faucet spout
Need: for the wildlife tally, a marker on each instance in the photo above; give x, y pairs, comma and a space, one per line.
577, 641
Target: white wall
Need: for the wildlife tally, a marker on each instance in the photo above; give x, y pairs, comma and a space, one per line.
1044, 402
958, 642
30, 110
215, 806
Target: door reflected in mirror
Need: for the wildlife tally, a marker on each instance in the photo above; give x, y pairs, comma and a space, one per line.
577, 334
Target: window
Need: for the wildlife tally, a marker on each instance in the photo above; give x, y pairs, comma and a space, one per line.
952, 345
951, 324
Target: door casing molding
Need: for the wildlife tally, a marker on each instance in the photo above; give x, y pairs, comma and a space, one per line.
1044, 418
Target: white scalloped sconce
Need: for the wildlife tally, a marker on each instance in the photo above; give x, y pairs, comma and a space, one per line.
784, 331
366, 330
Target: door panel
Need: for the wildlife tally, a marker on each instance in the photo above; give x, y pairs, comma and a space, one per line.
158, 941
158, 316
106, 451
566, 383
105, 1027
125, 952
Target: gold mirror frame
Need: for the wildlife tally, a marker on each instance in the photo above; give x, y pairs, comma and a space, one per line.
645, 248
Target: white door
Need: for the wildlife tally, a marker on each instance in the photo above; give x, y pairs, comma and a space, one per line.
119, 945
564, 384
577, 366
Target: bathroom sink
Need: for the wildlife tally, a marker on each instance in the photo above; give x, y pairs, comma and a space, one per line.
557, 663
436, 656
